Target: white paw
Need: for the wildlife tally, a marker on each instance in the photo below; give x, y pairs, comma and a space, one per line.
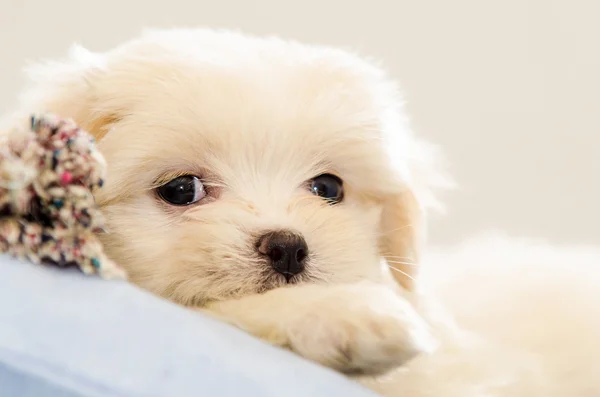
359, 329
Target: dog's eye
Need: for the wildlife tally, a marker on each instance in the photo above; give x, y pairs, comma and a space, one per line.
328, 187
184, 190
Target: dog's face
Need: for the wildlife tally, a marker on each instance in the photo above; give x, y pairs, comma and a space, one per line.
238, 165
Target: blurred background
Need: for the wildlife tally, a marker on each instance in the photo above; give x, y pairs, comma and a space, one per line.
509, 89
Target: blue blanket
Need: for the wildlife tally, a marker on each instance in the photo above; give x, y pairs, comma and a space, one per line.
64, 334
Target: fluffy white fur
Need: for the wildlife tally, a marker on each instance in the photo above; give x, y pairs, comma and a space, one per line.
258, 118
514, 317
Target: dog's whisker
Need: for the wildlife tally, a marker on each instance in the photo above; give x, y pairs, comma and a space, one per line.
409, 263
401, 272
403, 263
396, 256
387, 232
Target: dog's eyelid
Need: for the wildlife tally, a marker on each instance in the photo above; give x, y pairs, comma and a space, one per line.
333, 173
336, 175
169, 176
326, 167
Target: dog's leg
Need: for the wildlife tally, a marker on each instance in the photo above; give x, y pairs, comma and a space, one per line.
356, 329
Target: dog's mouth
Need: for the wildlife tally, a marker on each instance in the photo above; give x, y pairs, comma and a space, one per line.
261, 278
272, 280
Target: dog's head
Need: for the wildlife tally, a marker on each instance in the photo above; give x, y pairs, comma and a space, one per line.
239, 164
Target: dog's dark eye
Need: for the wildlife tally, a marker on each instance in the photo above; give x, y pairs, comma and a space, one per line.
184, 190
328, 187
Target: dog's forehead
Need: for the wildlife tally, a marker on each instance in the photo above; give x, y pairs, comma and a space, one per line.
283, 108
302, 112
228, 84
293, 114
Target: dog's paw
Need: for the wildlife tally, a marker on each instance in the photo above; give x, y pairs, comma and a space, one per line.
359, 330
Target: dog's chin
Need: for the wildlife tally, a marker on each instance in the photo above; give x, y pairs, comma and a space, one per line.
220, 287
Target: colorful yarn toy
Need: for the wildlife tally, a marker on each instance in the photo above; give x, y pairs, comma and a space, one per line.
47, 211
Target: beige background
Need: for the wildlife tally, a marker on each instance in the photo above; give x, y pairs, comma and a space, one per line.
510, 88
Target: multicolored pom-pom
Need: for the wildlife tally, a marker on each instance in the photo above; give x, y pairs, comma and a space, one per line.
47, 210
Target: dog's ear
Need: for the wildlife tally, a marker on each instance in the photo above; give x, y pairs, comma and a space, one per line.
67, 88
402, 236
403, 222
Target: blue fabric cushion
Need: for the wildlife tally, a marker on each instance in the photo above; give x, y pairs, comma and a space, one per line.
63, 334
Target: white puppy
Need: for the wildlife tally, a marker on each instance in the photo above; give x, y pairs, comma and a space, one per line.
276, 186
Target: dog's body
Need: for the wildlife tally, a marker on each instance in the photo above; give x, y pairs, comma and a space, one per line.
515, 318
277, 187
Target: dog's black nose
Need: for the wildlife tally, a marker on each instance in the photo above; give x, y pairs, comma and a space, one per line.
286, 250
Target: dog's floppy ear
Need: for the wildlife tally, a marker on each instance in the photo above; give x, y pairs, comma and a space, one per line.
67, 88
403, 223
402, 235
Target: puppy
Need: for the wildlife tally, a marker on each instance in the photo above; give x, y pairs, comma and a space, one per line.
267, 182
275, 186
